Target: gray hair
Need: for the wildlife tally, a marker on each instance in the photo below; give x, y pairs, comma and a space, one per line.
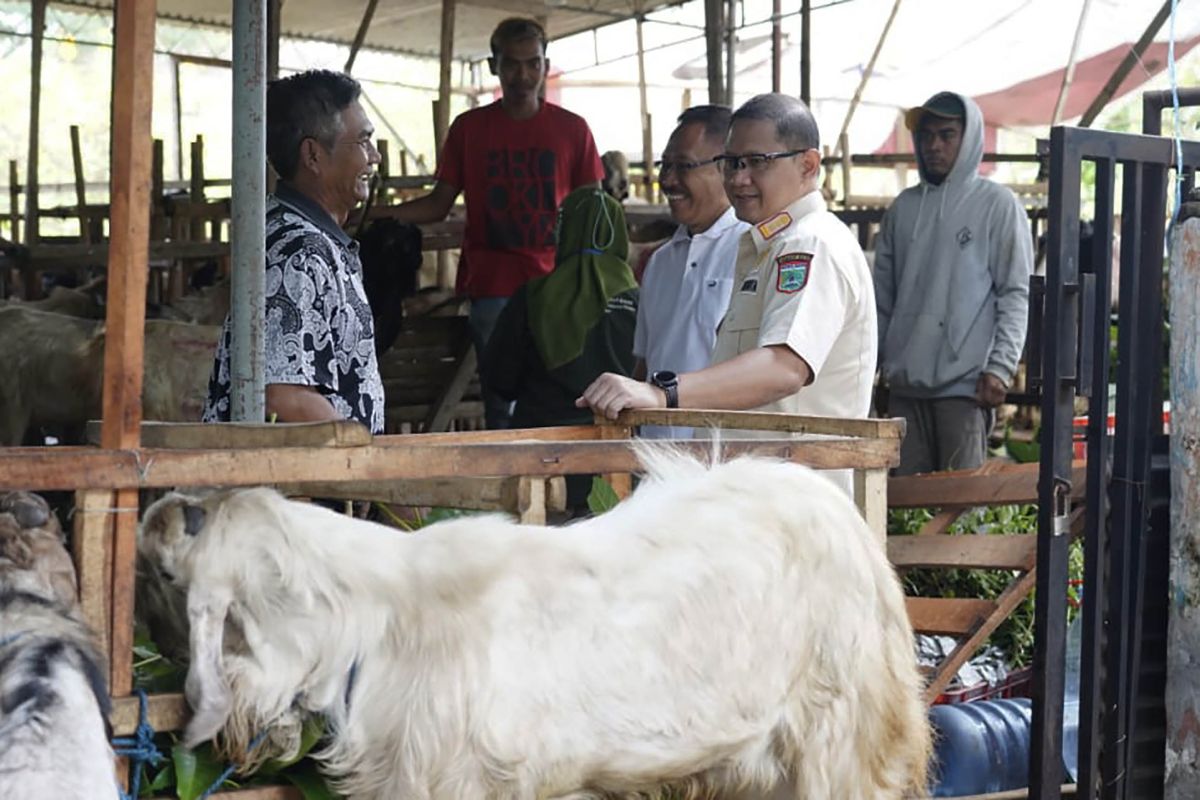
714, 118
794, 123
305, 106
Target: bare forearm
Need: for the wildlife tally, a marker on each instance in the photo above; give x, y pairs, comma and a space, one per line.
294, 403
760, 376
433, 207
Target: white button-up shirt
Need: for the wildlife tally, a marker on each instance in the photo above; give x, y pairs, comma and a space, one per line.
685, 292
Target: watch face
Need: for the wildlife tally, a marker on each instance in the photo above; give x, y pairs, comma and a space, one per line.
664, 377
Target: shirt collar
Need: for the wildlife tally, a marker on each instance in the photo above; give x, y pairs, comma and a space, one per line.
302, 204
769, 229
714, 231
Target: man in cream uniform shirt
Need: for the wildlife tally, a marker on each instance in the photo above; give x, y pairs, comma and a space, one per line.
687, 284
800, 334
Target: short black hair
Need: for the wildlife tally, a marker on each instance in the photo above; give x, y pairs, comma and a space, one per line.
794, 123
516, 29
714, 118
305, 105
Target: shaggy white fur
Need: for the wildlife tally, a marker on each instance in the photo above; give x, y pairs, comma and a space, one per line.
733, 629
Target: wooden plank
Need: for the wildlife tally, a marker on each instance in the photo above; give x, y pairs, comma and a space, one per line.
1014, 484
39, 468
565, 433
482, 494
1016, 551
870, 495
133, 88
167, 712
942, 522
442, 409
47, 256
948, 616
1008, 600
621, 482
14, 202
764, 421
247, 435
91, 549
85, 229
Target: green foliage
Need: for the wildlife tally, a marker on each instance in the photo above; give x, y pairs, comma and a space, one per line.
601, 497
187, 774
1014, 637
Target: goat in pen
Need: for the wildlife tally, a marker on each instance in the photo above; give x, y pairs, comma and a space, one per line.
53, 698
727, 631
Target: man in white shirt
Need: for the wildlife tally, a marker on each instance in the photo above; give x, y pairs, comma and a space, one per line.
799, 336
689, 279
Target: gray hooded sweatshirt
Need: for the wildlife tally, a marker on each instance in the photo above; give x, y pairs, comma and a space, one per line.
952, 264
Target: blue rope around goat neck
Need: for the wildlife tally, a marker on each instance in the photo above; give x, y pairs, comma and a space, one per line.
224, 776
139, 748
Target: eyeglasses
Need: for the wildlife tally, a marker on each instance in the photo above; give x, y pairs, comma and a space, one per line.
756, 162
681, 168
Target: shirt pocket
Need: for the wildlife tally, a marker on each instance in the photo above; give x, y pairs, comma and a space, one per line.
714, 302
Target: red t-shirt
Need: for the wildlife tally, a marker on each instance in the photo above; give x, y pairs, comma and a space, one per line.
513, 174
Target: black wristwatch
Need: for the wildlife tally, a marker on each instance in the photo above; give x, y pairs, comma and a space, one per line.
669, 382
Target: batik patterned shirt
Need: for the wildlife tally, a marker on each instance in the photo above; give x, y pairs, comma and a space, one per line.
318, 326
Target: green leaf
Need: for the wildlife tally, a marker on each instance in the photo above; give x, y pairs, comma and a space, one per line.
310, 734
1023, 452
310, 782
195, 770
602, 497
165, 779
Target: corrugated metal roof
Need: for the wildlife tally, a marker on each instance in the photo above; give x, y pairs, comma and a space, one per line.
410, 26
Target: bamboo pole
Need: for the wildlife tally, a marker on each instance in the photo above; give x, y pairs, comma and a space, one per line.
129, 239
713, 23
80, 190
1069, 72
805, 51
360, 36
866, 76
446, 60
38, 21
1123, 69
647, 134
776, 45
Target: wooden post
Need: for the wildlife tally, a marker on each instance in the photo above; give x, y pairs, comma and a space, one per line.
38, 20
844, 147
805, 49
776, 45
1183, 638
14, 202
870, 495
360, 36
730, 50
866, 76
621, 482
1069, 72
177, 114
647, 134
91, 547
713, 25
80, 187
133, 90
196, 193
274, 22
158, 226
1123, 69
442, 110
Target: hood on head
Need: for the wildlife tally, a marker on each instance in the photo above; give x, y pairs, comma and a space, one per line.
970, 155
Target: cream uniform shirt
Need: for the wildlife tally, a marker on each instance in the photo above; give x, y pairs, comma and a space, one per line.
802, 281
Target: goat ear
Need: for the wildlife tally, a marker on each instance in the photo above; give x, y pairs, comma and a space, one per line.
194, 518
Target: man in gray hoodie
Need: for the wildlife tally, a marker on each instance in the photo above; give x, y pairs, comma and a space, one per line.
952, 264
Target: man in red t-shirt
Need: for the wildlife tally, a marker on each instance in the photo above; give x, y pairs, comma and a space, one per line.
514, 160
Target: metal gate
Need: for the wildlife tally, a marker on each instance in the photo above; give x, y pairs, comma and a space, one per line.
1124, 553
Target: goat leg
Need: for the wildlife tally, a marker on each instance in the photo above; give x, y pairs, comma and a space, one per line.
207, 688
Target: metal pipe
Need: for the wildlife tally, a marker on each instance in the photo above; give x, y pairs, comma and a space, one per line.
248, 218
776, 46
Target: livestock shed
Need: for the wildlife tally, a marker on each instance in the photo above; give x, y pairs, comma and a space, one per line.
132, 457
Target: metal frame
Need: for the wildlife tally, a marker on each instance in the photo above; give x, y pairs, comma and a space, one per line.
1074, 361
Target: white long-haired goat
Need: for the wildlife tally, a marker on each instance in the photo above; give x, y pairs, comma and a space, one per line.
53, 700
726, 631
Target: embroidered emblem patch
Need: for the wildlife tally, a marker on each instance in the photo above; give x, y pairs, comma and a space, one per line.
964, 238
749, 285
794, 269
775, 224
